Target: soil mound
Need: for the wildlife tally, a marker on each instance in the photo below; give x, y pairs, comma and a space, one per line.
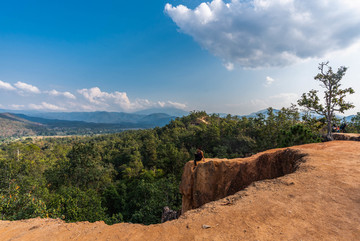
316, 196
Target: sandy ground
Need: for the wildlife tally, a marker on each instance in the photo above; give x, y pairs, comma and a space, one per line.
320, 201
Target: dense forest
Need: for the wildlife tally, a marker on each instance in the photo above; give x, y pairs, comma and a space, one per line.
130, 176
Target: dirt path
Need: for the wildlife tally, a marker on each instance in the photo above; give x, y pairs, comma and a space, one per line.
320, 201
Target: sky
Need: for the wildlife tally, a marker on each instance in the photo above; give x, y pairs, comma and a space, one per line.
235, 56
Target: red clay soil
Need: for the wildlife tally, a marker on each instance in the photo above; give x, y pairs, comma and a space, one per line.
218, 178
319, 201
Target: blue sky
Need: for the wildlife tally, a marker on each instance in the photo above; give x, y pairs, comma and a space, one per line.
220, 56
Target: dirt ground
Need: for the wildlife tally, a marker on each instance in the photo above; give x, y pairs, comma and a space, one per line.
320, 201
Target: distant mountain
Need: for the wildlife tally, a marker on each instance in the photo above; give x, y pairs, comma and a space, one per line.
156, 119
95, 117
76, 123
20, 125
17, 118
25, 123
348, 118
55, 123
167, 110
108, 117
148, 121
26, 112
14, 126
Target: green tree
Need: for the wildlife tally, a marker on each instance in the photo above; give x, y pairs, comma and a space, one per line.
74, 204
83, 168
333, 95
354, 125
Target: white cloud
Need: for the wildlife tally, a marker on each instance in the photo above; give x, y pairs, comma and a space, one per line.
6, 86
116, 100
161, 104
94, 95
58, 93
269, 81
46, 106
229, 66
98, 97
257, 33
27, 87
67, 94
176, 105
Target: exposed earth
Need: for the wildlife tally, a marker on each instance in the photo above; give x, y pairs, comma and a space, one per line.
320, 200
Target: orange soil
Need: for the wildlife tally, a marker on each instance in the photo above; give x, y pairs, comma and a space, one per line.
320, 201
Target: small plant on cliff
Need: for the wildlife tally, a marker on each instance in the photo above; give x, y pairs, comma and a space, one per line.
333, 95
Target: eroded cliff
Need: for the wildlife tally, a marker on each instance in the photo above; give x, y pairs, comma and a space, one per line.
214, 179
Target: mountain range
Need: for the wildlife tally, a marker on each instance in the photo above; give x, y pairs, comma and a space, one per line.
25, 123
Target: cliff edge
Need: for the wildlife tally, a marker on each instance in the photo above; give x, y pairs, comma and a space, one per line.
214, 179
316, 196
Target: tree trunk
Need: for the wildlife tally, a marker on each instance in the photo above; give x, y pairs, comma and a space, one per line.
329, 136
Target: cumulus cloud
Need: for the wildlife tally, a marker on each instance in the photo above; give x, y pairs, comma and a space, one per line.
258, 33
6, 86
58, 93
27, 87
269, 81
116, 100
98, 97
46, 106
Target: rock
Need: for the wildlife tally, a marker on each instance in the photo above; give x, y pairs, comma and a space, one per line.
204, 226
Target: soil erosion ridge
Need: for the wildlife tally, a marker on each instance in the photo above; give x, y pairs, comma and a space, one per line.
314, 194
